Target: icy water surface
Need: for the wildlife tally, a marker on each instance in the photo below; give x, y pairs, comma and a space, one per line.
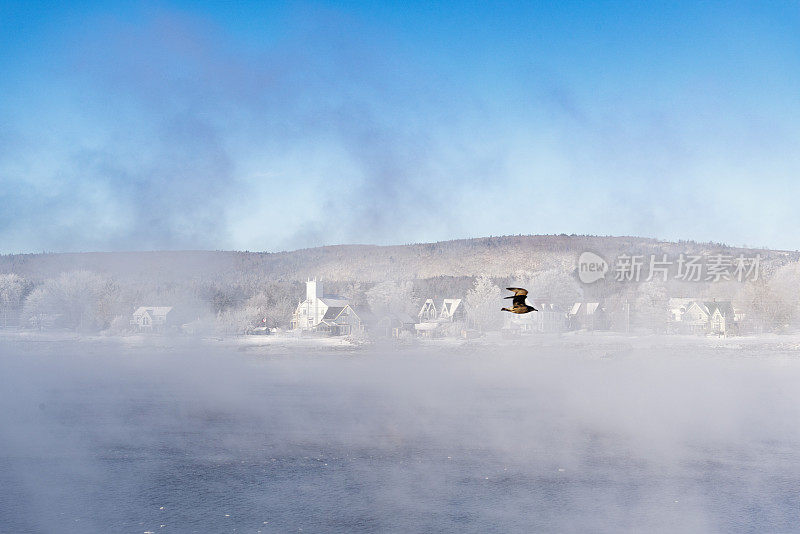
563, 439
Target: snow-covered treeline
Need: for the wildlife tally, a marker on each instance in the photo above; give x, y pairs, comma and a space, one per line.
234, 292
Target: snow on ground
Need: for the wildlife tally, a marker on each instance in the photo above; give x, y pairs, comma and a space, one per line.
601, 344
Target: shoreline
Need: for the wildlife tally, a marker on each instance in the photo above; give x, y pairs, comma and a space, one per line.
591, 341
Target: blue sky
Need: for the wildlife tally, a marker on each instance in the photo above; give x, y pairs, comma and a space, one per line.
273, 126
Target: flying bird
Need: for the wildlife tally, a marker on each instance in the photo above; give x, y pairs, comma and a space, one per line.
519, 301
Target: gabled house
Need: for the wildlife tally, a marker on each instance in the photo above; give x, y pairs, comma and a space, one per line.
428, 312
722, 319
587, 316
452, 311
451, 318
694, 319
691, 316
343, 321
151, 318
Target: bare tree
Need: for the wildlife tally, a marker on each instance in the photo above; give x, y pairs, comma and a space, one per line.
12, 291
483, 304
552, 285
79, 300
388, 297
270, 309
651, 305
772, 304
237, 320
765, 308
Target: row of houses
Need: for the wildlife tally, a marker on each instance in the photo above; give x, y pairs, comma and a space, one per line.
335, 315
685, 316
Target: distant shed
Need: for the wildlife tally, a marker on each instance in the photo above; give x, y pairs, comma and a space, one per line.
152, 318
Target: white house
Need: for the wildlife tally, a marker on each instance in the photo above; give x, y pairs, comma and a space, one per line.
343, 321
587, 315
699, 317
428, 312
451, 316
452, 311
550, 318
721, 317
150, 318
311, 312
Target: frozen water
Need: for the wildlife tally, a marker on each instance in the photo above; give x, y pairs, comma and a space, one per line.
660, 437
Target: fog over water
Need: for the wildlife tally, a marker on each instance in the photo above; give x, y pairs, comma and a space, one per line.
581, 436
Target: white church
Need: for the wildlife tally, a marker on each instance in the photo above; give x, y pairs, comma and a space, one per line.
326, 314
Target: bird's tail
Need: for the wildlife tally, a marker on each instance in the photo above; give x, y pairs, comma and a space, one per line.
511, 297
505, 309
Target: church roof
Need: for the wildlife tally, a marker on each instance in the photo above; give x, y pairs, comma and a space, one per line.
334, 302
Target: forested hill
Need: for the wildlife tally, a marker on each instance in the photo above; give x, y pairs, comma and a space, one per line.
493, 256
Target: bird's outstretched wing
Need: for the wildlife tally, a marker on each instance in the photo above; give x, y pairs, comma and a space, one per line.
518, 291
